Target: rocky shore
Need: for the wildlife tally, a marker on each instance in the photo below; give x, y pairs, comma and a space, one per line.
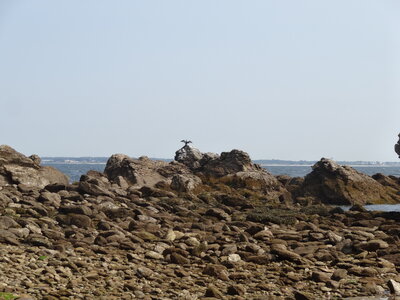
204, 226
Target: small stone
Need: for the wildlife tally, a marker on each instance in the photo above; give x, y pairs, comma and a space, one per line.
154, 255
373, 245
93, 275
25, 297
217, 271
320, 277
236, 290
176, 258
394, 287
192, 241
218, 213
339, 274
213, 291
144, 272
234, 258
170, 236
303, 296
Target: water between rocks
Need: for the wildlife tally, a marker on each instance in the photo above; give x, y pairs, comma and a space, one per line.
74, 172
378, 207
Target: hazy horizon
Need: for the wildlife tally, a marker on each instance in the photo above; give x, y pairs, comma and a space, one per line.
292, 80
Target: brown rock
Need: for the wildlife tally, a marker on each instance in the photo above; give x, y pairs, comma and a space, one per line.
217, 271
284, 254
176, 258
339, 274
394, 286
213, 291
320, 277
16, 168
300, 295
236, 290
342, 185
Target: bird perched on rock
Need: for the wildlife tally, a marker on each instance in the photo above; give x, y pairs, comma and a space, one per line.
186, 142
397, 147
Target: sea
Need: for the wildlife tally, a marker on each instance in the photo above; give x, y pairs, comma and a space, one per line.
75, 170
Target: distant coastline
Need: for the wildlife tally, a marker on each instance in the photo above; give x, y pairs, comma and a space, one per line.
262, 162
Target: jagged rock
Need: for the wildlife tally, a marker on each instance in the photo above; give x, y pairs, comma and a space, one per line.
259, 180
189, 156
394, 287
185, 183
140, 172
95, 183
145, 172
342, 185
388, 181
233, 168
229, 163
16, 168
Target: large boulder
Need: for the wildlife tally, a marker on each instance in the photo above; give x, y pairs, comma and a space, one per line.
229, 163
146, 172
233, 168
189, 156
16, 168
95, 183
140, 172
332, 183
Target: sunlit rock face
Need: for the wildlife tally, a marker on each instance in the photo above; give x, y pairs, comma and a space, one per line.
16, 168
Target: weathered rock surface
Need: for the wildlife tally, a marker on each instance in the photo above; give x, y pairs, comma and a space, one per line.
16, 168
342, 185
233, 168
106, 237
145, 172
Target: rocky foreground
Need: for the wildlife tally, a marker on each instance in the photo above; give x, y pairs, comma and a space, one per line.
204, 226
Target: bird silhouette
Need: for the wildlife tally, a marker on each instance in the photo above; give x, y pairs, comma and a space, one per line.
186, 142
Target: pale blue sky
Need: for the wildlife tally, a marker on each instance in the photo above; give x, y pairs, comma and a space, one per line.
278, 79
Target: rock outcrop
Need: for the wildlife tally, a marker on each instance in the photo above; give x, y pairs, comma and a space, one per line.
146, 172
233, 168
331, 183
124, 235
16, 168
397, 147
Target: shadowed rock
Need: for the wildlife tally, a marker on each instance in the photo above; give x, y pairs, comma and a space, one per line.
342, 185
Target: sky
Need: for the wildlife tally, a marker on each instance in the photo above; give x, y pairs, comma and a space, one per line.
291, 79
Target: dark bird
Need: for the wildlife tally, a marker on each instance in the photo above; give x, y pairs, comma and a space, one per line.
186, 142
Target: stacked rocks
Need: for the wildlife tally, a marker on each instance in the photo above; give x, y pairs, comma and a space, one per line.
112, 236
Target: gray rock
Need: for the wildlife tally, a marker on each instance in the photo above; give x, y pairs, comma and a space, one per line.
189, 156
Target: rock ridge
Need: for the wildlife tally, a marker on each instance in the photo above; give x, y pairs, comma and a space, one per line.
156, 230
